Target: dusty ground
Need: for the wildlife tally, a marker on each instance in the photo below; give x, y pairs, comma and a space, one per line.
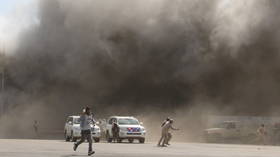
56, 148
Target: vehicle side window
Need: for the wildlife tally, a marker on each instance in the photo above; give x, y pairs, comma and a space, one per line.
111, 121
231, 126
115, 120
70, 120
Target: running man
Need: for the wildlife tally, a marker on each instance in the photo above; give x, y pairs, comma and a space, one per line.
86, 120
262, 133
164, 132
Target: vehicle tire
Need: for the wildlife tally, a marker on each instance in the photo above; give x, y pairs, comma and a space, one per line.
109, 140
142, 140
251, 138
119, 140
73, 139
96, 140
214, 138
67, 138
130, 140
218, 138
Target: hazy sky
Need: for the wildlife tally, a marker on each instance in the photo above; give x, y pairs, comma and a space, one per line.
15, 16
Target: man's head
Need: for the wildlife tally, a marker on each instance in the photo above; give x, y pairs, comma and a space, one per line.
87, 110
171, 121
167, 119
262, 125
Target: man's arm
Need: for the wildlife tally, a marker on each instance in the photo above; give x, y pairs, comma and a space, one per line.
174, 128
163, 123
93, 120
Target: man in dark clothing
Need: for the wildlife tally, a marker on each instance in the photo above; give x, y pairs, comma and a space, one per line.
115, 131
86, 121
36, 127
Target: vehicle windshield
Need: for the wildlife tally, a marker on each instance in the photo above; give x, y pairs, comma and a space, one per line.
127, 121
77, 121
228, 125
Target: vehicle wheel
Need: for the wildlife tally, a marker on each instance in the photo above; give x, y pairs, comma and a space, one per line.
119, 140
96, 140
142, 140
130, 140
219, 138
67, 138
108, 137
214, 138
73, 139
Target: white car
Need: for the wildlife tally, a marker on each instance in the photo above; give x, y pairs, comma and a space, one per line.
130, 129
229, 130
72, 130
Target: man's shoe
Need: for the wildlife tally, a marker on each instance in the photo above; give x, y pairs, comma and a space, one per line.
90, 153
75, 147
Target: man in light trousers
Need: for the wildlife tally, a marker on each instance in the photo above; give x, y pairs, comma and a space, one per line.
164, 132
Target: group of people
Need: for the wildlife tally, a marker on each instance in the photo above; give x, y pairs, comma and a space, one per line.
86, 119
166, 135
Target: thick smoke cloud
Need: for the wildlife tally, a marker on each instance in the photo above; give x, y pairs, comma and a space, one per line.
148, 55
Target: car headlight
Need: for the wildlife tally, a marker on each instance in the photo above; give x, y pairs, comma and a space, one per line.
142, 129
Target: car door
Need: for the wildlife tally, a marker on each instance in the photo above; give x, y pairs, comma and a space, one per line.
70, 125
232, 130
66, 126
110, 124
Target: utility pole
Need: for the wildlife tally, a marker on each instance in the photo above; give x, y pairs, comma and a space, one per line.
2, 71
2, 64
3, 81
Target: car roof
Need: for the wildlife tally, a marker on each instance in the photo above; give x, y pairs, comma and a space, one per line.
231, 121
75, 116
120, 117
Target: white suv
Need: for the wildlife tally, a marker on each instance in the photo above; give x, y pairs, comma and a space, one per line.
72, 130
130, 129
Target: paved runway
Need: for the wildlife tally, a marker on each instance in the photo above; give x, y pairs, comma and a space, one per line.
56, 148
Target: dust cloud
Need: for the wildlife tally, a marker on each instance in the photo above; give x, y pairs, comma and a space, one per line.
151, 59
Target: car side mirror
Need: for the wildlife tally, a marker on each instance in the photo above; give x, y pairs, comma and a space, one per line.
97, 123
141, 123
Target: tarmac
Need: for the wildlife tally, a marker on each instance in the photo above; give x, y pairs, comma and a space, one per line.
59, 148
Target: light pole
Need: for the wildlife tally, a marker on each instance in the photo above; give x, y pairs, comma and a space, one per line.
2, 71
3, 80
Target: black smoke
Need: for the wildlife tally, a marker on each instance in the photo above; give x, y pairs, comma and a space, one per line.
159, 55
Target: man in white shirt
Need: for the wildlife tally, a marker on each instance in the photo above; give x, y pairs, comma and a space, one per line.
86, 121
